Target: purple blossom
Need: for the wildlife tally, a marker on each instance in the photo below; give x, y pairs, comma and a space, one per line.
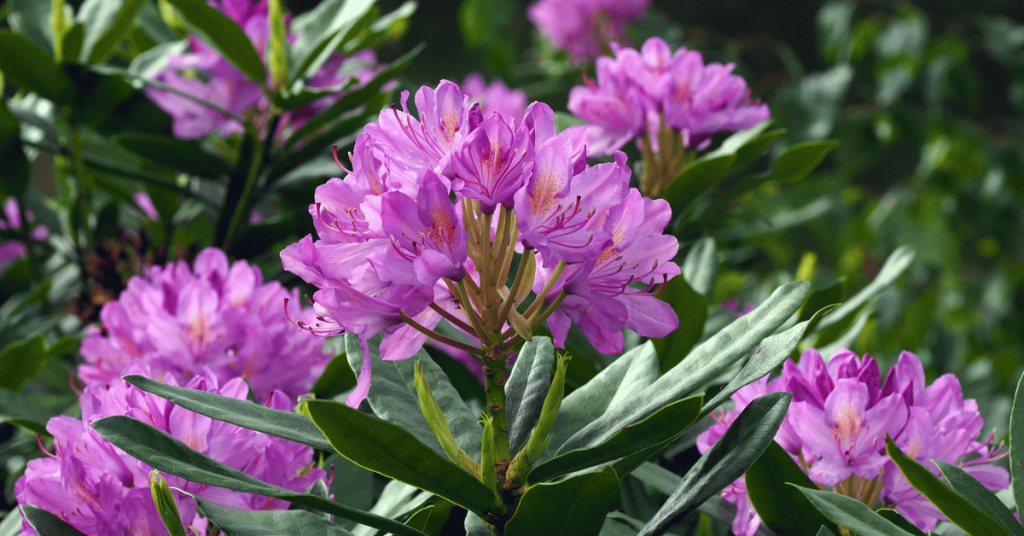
838, 420
639, 92
179, 321
205, 74
436, 202
12, 222
100, 490
585, 28
495, 97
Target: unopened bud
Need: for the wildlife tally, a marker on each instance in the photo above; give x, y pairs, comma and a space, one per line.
163, 498
435, 418
277, 56
487, 472
539, 438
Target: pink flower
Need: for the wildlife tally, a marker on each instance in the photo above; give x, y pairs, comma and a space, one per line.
838, 421
495, 97
100, 490
583, 28
639, 92
11, 221
179, 320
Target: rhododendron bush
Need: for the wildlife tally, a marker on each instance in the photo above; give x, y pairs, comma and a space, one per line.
575, 268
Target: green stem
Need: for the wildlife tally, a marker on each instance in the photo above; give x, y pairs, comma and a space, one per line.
84, 185
242, 204
437, 336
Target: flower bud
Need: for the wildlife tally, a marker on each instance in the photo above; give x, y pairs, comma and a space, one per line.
435, 418
163, 498
277, 57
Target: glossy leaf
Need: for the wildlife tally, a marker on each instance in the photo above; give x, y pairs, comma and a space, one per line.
283, 424
323, 29
336, 378
976, 492
172, 153
749, 152
526, 388
1017, 445
573, 506
23, 63
21, 361
47, 524
954, 506
394, 399
700, 268
390, 450
703, 363
224, 35
665, 424
169, 455
738, 448
105, 24
692, 310
268, 522
851, 513
896, 519
695, 179
782, 508
630, 373
431, 518
799, 160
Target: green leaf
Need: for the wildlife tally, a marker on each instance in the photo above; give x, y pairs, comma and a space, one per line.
31, 18
741, 445
954, 506
341, 133
47, 524
692, 310
896, 519
336, 378
664, 425
11, 524
784, 509
851, 513
268, 522
431, 518
390, 450
224, 35
573, 506
325, 28
283, 424
894, 266
749, 152
833, 292
739, 139
106, 24
73, 41
29, 67
526, 388
705, 362
172, 153
21, 361
169, 455
980, 496
700, 268
394, 399
799, 160
695, 179
14, 175
1017, 445
627, 375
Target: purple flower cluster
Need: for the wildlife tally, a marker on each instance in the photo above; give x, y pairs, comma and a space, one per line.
640, 91
218, 316
102, 491
427, 222
495, 97
11, 221
204, 73
837, 424
585, 28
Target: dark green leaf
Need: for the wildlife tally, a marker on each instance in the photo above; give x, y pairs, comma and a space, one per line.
24, 412
819, 298
894, 266
431, 518
323, 29
21, 361
393, 397
31, 18
14, 175
47, 524
664, 425
1017, 445
741, 445
695, 179
335, 379
73, 40
784, 509
692, 310
980, 496
341, 133
627, 375
896, 519
268, 522
167, 454
283, 424
799, 160
851, 513
106, 24
388, 449
224, 35
25, 64
706, 361
749, 152
954, 506
573, 506
526, 388
172, 153
700, 268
